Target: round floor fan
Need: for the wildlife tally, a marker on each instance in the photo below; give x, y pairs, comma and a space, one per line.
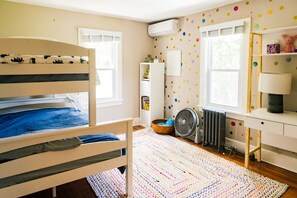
186, 124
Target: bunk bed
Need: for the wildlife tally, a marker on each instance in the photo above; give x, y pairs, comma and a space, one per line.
17, 79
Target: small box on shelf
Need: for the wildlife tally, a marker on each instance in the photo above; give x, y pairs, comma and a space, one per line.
273, 48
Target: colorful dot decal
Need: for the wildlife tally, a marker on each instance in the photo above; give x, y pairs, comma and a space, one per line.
184, 91
288, 59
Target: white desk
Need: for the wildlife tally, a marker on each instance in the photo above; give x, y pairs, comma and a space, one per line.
281, 126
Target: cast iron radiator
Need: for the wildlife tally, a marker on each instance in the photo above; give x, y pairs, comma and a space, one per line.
214, 122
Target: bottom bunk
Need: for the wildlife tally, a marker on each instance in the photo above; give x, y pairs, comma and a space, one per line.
33, 161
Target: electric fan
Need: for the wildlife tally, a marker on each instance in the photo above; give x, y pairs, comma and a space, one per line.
186, 125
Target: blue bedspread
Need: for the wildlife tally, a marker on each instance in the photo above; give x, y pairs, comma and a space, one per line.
14, 124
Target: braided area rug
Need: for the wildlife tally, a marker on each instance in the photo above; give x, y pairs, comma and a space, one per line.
164, 166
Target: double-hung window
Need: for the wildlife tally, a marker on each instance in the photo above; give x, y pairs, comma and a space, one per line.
108, 50
224, 64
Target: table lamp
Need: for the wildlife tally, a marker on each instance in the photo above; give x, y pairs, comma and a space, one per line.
276, 85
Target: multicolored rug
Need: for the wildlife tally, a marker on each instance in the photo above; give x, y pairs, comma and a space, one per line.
164, 166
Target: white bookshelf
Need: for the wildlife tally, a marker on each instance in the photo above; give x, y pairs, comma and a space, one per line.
151, 93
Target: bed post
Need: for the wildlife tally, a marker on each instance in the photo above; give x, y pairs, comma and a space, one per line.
92, 88
129, 167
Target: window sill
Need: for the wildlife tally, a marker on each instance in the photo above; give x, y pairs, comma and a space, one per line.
109, 103
102, 104
229, 114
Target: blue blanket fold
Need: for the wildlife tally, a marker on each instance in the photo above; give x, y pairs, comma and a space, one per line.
31, 121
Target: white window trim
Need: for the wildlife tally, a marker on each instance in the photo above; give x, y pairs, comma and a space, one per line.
244, 74
118, 99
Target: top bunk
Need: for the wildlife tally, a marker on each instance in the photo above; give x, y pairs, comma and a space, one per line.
36, 67
31, 67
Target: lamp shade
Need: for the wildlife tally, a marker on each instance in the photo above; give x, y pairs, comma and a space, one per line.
275, 83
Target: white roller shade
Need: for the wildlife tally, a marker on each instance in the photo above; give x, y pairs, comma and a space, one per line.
233, 27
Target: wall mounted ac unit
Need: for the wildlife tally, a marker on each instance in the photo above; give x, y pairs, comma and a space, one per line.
163, 28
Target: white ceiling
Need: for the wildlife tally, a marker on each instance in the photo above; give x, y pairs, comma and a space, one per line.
139, 10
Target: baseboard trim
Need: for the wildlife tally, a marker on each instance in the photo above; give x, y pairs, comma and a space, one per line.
136, 121
268, 156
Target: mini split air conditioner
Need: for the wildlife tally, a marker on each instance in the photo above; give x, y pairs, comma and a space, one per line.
163, 28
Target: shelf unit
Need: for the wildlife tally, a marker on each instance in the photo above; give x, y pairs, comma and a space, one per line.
151, 92
263, 37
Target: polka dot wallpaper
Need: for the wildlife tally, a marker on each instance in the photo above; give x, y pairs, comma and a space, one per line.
183, 91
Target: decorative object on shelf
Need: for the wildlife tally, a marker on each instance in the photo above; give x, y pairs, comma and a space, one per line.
276, 85
273, 48
162, 129
149, 59
289, 40
146, 74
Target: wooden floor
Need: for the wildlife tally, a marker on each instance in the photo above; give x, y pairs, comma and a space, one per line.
81, 188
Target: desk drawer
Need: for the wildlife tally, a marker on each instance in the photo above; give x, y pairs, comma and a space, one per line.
264, 125
290, 131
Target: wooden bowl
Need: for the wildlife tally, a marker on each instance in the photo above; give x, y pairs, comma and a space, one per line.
162, 129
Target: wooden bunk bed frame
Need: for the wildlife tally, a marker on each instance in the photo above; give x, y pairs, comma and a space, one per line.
20, 46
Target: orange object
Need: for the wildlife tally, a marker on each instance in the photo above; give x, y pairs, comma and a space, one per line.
162, 129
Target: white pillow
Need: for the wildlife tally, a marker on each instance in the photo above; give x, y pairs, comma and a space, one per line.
14, 106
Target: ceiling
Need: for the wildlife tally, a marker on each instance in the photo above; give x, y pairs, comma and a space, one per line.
138, 10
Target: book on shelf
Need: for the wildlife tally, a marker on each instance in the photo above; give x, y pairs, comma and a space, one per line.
145, 103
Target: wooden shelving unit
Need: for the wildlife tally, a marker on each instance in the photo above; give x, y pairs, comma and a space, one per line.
263, 37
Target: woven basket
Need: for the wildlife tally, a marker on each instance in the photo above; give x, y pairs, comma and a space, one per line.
162, 129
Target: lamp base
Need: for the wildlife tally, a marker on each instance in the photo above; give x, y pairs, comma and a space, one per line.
275, 103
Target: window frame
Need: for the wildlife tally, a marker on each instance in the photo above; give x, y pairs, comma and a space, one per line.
205, 68
117, 98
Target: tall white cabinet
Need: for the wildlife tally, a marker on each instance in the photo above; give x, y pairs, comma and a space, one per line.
151, 92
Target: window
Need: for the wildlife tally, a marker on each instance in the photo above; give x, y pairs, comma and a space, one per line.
108, 64
224, 64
